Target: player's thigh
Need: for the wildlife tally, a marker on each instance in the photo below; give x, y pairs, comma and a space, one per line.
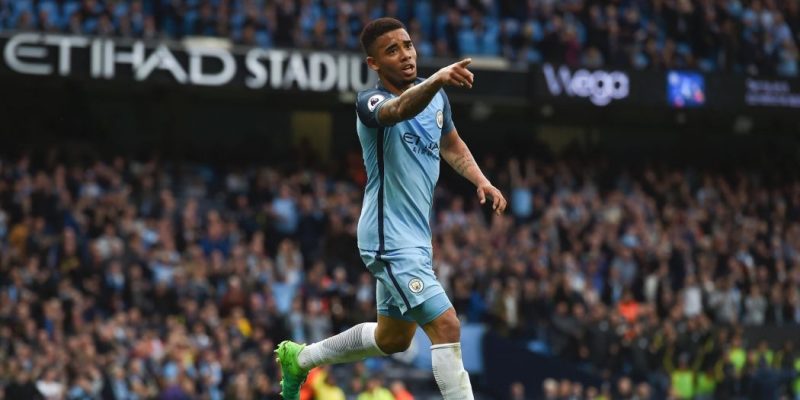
407, 288
416, 282
388, 301
411, 276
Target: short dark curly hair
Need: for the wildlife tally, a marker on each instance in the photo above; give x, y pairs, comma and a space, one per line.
373, 30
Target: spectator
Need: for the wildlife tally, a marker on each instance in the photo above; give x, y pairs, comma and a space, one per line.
375, 391
550, 389
181, 287
400, 392
643, 392
50, 386
517, 391
624, 389
759, 38
755, 307
323, 385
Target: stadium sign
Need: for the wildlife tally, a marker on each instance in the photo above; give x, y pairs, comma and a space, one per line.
600, 87
185, 64
771, 93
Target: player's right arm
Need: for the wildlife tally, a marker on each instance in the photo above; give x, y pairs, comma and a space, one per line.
414, 100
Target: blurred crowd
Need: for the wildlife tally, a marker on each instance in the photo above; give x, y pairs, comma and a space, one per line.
752, 36
651, 275
553, 389
141, 279
132, 280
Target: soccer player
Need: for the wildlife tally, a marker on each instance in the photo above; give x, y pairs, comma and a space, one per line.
405, 126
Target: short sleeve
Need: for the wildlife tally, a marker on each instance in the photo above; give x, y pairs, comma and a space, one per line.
447, 125
368, 103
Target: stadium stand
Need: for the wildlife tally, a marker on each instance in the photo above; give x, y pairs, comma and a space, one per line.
138, 279
754, 37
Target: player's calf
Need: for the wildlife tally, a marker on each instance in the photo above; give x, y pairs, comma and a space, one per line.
448, 367
393, 344
354, 344
394, 335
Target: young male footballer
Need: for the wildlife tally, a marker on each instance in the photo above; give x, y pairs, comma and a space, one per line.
405, 126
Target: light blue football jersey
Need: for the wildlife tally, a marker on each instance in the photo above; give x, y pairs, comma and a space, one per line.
402, 162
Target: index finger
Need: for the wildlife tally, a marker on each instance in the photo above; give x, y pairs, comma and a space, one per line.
464, 62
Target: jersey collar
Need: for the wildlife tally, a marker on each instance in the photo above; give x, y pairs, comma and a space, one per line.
379, 85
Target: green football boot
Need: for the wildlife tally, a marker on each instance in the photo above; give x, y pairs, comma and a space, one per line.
293, 376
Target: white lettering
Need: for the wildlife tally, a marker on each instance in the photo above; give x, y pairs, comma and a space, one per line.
256, 68
342, 69
29, 53
582, 83
356, 81
97, 58
20, 46
600, 87
112, 57
316, 62
770, 94
564, 73
296, 72
65, 45
162, 58
276, 58
552, 80
196, 74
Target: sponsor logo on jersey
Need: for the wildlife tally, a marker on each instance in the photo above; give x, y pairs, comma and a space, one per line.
420, 145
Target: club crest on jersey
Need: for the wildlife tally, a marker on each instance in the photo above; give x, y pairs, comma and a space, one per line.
416, 285
439, 119
373, 101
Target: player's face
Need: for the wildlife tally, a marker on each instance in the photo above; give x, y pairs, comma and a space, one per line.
394, 58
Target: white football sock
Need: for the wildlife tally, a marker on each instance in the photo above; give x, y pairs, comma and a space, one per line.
354, 344
449, 372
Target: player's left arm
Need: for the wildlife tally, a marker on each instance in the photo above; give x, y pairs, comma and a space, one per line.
453, 149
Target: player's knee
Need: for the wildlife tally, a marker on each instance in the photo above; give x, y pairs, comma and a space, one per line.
393, 343
451, 328
445, 329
